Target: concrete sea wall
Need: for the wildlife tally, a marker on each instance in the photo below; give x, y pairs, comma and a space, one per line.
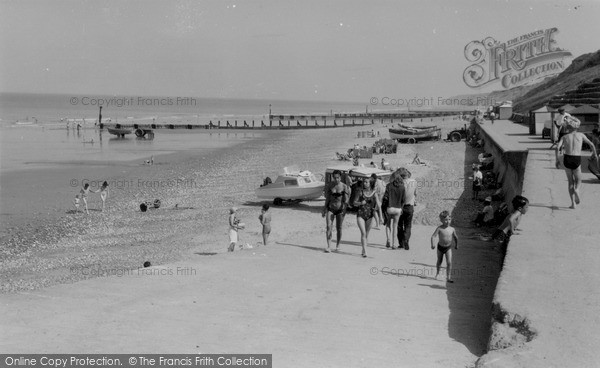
509, 161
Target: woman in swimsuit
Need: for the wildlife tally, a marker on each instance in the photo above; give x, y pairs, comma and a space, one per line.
368, 204
572, 142
394, 195
336, 202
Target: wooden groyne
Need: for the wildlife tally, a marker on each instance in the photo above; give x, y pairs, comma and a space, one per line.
299, 121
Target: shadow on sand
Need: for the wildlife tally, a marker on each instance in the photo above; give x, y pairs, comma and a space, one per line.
475, 272
300, 206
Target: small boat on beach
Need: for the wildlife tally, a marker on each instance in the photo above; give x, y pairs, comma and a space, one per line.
409, 127
291, 185
119, 132
415, 135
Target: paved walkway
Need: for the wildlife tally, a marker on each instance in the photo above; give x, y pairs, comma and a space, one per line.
551, 276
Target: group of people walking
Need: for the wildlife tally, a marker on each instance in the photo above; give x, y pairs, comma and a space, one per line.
391, 205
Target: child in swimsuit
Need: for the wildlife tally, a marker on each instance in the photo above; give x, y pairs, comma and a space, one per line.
104, 193
83, 193
76, 202
368, 204
265, 220
446, 236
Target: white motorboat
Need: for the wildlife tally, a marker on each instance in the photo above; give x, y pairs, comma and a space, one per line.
291, 185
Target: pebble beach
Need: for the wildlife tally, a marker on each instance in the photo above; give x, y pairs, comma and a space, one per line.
195, 193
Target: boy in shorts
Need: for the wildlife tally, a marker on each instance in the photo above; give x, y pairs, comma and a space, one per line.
446, 236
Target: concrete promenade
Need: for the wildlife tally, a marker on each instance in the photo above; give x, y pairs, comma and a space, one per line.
549, 288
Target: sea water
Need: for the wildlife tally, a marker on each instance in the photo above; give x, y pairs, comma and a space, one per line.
43, 163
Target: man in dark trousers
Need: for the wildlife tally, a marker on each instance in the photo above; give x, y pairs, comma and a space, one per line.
410, 197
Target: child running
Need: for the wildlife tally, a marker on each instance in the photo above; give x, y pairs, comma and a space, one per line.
265, 221
446, 235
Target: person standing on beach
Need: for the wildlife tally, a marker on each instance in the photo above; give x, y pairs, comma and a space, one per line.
104, 193
410, 197
368, 204
337, 197
265, 221
379, 186
394, 195
572, 143
234, 226
83, 193
446, 236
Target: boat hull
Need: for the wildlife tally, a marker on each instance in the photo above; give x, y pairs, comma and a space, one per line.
119, 132
305, 193
403, 134
412, 128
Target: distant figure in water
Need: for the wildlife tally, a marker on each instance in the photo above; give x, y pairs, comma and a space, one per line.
572, 142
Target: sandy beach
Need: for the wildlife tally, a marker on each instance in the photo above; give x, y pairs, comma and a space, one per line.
195, 192
110, 247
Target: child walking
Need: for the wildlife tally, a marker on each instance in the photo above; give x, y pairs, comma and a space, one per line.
83, 193
446, 236
265, 221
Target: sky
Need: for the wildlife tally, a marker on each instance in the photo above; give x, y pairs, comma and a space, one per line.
282, 50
